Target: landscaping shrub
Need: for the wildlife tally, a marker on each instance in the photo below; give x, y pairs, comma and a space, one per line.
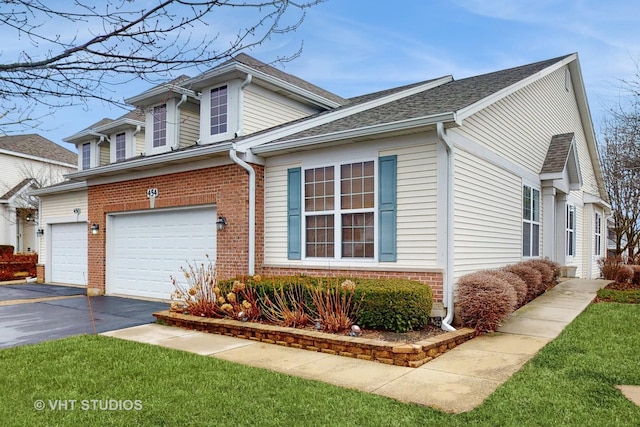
515, 281
13, 266
397, 305
334, 306
610, 266
6, 251
531, 276
555, 267
636, 275
624, 274
548, 276
484, 300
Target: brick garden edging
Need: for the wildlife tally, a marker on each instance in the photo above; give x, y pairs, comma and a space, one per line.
393, 353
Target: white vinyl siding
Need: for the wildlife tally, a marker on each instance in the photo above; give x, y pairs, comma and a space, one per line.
520, 126
189, 126
105, 153
139, 141
417, 205
417, 221
488, 215
16, 169
262, 109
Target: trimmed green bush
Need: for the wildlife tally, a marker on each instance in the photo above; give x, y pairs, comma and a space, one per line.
396, 305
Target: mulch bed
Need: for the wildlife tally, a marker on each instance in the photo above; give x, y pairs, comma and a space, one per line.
616, 286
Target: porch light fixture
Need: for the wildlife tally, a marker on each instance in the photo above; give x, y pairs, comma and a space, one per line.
40, 232
221, 223
95, 228
29, 217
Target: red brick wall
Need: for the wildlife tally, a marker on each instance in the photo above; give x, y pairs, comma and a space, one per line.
433, 279
225, 186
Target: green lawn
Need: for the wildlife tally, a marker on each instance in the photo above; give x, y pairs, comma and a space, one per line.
569, 383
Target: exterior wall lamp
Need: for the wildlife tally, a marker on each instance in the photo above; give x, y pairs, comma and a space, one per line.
221, 223
40, 232
95, 228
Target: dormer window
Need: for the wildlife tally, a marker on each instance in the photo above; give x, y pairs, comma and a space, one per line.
219, 115
86, 156
121, 146
160, 126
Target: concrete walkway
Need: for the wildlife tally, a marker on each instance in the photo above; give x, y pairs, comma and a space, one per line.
457, 381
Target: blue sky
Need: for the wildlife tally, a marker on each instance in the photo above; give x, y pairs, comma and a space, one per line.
353, 47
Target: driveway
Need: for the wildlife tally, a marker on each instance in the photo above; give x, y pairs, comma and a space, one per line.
32, 313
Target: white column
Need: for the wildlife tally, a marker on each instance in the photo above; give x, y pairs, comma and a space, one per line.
549, 223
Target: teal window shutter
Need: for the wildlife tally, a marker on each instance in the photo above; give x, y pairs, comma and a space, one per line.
294, 213
387, 207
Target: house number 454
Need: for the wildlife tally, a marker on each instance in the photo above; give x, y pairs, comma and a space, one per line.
152, 192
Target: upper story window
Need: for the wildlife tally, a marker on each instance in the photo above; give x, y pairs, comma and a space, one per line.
597, 250
219, 110
160, 125
121, 146
344, 227
530, 221
86, 156
571, 230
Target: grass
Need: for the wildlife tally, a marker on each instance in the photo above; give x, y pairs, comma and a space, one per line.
621, 296
570, 383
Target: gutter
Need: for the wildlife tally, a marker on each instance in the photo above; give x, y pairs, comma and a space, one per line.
252, 207
448, 277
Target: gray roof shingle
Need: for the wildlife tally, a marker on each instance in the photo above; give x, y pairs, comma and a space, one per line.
38, 146
449, 97
558, 153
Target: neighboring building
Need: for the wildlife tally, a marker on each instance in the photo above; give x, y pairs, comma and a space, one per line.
427, 181
27, 162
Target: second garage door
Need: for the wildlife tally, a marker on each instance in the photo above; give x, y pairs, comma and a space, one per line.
144, 249
69, 253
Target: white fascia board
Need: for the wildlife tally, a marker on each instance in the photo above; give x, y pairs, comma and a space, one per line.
60, 188
497, 96
36, 158
159, 91
251, 142
596, 200
109, 127
408, 124
79, 137
203, 80
150, 162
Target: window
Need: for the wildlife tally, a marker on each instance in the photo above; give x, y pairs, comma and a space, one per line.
597, 250
86, 156
352, 217
571, 230
219, 110
160, 126
530, 222
120, 146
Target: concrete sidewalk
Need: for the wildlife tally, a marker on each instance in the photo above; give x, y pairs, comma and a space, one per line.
457, 381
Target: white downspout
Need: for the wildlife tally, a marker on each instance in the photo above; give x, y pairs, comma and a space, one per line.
252, 206
448, 275
183, 99
243, 85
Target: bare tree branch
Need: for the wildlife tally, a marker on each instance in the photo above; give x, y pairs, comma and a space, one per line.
79, 51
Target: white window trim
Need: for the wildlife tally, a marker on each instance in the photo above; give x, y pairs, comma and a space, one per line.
597, 234
171, 128
93, 155
129, 145
530, 222
570, 233
233, 113
337, 260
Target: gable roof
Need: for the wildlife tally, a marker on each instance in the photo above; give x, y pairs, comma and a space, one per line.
447, 98
130, 119
22, 185
37, 146
561, 159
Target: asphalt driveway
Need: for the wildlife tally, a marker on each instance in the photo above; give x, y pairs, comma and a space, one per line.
62, 311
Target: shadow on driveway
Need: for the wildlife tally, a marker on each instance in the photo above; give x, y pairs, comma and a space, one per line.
65, 314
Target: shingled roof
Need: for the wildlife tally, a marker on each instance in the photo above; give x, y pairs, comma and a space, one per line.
37, 146
446, 98
558, 153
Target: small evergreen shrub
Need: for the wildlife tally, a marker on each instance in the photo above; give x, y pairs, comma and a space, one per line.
484, 300
514, 280
396, 305
531, 276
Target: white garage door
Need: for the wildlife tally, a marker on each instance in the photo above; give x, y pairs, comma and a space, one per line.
69, 253
145, 249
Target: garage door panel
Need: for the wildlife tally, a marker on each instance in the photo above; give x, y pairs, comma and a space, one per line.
69, 253
145, 249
